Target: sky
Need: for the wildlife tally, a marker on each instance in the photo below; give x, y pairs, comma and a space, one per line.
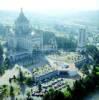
44, 6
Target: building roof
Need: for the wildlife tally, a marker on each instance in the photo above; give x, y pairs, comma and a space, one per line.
22, 18
22, 25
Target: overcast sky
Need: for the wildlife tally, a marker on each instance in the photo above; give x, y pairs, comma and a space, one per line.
43, 6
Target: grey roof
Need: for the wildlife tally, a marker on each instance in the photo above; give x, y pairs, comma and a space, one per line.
22, 18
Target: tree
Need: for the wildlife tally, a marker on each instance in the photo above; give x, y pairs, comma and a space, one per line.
54, 95
21, 80
1, 71
96, 74
21, 76
1, 55
85, 69
29, 81
10, 80
14, 78
3, 91
93, 52
65, 43
12, 93
39, 87
1, 60
6, 63
29, 96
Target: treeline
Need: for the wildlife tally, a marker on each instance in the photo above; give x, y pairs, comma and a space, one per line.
62, 42
66, 43
82, 87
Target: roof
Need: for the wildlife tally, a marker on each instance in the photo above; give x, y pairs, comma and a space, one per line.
22, 18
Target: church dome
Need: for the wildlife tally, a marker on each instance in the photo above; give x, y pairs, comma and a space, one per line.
22, 25
22, 18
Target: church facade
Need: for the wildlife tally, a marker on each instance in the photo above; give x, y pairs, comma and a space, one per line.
23, 40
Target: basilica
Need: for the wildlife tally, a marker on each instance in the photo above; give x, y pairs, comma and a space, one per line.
23, 40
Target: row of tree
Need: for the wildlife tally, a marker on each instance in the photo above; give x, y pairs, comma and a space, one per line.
62, 42
66, 43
